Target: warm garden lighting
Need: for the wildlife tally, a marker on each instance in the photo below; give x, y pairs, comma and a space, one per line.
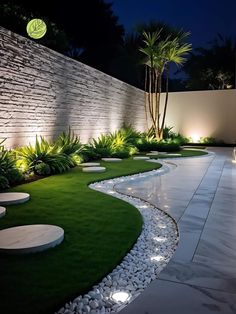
36, 28
195, 138
157, 258
120, 296
159, 239
234, 155
162, 226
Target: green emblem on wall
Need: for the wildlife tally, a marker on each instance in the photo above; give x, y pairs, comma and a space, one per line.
36, 28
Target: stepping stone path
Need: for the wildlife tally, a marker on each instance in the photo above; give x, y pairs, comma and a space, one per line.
94, 169
141, 158
12, 198
90, 164
30, 238
112, 159
2, 211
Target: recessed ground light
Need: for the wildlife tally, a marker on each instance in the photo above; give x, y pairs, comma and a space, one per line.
162, 226
157, 258
120, 296
160, 239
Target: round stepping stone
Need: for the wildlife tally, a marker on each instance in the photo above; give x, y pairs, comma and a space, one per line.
90, 164
30, 238
174, 154
152, 154
112, 159
11, 198
2, 211
94, 169
162, 153
141, 158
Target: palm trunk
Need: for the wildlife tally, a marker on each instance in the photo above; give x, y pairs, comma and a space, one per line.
166, 101
145, 89
158, 106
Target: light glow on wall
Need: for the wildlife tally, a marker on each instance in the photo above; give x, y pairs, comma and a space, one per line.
195, 137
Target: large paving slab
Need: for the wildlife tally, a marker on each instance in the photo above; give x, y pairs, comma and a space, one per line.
201, 277
12, 198
30, 238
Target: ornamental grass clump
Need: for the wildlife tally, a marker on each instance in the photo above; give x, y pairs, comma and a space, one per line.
43, 158
9, 173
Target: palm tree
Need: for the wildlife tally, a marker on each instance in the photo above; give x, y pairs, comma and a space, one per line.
158, 56
174, 52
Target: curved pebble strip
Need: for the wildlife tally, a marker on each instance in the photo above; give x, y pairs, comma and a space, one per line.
152, 251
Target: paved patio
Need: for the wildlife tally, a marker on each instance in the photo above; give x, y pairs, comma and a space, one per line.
201, 276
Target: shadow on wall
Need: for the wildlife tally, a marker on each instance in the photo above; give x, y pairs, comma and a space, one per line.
61, 89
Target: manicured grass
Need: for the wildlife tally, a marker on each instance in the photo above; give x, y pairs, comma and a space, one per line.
99, 230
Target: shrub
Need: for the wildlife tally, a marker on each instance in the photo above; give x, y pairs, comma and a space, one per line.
120, 146
174, 137
30, 157
146, 143
70, 145
102, 147
130, 134
4, 183
8, 171
171, 146
210, 140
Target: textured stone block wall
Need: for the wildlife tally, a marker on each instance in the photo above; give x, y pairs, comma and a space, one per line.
43, 92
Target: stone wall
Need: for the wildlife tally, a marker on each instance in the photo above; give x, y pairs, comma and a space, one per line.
43, 92
204, 113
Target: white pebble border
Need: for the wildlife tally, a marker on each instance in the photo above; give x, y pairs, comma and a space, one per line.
152, 251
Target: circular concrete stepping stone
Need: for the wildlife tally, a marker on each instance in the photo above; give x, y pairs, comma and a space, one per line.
11, 198
174, 154
2, 211
90, 164
141, 158
94, 169
152, 154
112, 159
30, 238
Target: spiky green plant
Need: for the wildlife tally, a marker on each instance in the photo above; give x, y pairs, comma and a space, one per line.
70, 145
9, 172
30, 157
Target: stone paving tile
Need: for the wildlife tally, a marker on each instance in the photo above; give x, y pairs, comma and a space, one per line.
201, 277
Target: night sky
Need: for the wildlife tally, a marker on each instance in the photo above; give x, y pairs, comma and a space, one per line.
203, 18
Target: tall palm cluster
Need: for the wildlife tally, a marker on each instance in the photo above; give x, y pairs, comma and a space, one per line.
159, 53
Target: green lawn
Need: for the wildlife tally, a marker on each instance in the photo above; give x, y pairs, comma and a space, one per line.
99, 231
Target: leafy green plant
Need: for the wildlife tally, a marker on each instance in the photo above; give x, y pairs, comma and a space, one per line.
31, 156
146, 142
70, 145
4, 183
8, 171
210, 140
174, 137
102, 147
130, 134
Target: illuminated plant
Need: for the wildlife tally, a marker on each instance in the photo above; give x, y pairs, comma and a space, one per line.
43, 158
158, 56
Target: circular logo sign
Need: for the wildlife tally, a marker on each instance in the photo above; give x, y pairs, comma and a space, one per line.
36, 28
